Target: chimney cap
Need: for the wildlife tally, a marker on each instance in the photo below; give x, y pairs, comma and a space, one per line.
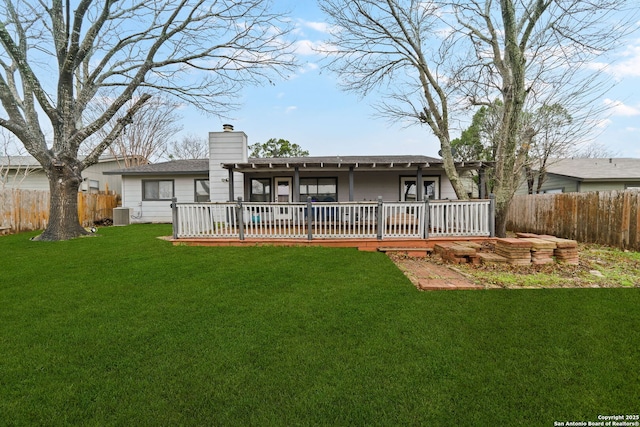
227, 127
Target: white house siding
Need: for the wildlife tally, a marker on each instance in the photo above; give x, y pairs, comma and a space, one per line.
226, 147
367, 185
34, 180
607, 186
143, 211
105, 182
554, 183
37, 179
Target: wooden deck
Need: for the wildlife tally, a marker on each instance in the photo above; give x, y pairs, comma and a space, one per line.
372, 245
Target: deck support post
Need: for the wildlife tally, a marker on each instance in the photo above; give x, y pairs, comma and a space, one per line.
492, 215
351, 196
239, 218
427, 218
296, 184
231, 185
379, 219
309, 218
174, 217
419, 184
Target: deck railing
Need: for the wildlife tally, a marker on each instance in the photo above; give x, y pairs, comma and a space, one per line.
381, 220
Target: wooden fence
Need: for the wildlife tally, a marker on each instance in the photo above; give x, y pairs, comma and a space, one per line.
26, 210
609, 218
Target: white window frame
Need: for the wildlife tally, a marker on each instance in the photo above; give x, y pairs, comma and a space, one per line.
426, 179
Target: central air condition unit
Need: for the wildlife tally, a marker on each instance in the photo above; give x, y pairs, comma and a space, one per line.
121, 216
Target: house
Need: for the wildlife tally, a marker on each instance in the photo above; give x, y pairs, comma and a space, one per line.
585, 174
24, 172
229, 174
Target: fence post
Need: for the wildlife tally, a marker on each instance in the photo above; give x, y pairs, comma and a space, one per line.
379, 218
492, 215
174, 216
309, 218
239, 218
427, 218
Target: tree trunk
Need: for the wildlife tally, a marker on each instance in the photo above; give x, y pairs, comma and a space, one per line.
64, 222
502, 210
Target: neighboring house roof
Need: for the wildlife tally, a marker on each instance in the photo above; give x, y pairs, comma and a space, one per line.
597, 169
31, 162
398, 161
19, 161
173, 167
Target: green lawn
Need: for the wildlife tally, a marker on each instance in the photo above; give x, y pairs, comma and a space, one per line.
125, 329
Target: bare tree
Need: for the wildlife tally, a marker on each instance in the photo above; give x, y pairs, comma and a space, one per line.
147, 136
56, 61
190, 147
386, 44
435, 59
594, 150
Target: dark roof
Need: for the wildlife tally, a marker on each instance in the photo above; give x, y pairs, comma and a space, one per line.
173, 167
396, 161
190, 167
597, 169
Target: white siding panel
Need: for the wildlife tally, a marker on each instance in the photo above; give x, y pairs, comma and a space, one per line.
160, 210
226, 147
34, 180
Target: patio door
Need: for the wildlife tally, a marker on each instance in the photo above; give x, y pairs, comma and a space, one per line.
283, 194
409, 193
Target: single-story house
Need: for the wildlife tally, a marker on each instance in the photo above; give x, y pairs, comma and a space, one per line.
229, 174
587, 174
26, 173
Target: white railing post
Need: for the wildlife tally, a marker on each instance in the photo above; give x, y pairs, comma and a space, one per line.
379, 218
310, 214
239, 218
174, 216
427, 219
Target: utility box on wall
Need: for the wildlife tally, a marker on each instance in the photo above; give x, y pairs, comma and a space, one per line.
121, 216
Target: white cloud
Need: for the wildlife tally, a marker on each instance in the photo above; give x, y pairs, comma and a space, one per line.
322, 27
305, 47
627, 65
618, 108
290, 109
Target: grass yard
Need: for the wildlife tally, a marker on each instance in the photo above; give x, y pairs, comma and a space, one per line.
125, 329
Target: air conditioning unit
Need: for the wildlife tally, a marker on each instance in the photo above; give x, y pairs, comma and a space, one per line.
121, 216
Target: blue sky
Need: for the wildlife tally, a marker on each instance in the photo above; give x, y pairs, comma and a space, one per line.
309, 109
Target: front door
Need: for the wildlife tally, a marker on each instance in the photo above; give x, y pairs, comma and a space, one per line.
283, 194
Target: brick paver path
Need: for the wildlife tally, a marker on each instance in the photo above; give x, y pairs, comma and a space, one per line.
429, 276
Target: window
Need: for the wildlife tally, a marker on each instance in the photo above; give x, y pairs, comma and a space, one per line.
260, 190
202, 191
319, 189
157, 189
408, 188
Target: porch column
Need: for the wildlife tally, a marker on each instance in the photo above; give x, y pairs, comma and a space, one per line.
419, 184
351, 197
230, 179
296, 185
481, 183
